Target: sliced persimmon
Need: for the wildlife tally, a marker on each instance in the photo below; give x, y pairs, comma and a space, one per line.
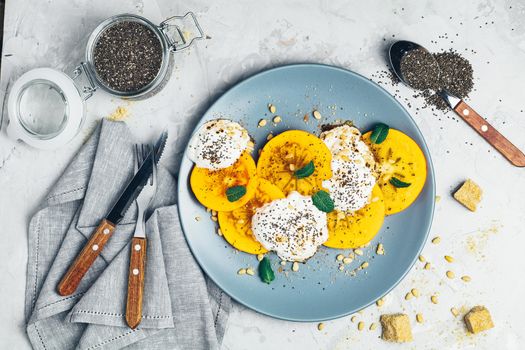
399, 157
289, 152
352, 230
210, 186
236, 224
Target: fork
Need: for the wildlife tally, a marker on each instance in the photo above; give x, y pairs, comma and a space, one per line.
137, 260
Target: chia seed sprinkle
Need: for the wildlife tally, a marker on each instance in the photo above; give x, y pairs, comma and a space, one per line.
127, 56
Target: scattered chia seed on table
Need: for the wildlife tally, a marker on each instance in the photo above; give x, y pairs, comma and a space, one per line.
128, 56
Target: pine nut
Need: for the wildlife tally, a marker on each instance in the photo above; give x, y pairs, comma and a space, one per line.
317, 115
241, 272
415, 292
339, 257
250, 271
380, 250
408, 296
271, 108
422, 258
380, 302
419, 318
436, 240
295, 266
262, 123
277, 119
434, 299
466, 278
260, 257
373, 326
364, 265
320, 326
360, 325
449, 258
358, 252
450, 274
427, 266
347, 260
454, 311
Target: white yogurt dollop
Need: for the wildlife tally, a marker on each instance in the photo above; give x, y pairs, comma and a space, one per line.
292, 227
353, 165
218, 144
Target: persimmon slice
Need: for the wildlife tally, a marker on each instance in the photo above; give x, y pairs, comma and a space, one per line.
356, 229
398, 156
210, 186
287, 153
236, 224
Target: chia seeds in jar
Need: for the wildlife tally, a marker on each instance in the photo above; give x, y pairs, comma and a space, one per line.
128, 56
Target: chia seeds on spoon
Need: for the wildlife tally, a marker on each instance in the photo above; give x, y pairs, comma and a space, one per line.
128, 56
421, 70
433, 72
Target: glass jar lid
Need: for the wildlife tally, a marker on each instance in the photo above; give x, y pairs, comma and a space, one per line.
45, 108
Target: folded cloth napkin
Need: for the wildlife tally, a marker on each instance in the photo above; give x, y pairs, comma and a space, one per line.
181, 308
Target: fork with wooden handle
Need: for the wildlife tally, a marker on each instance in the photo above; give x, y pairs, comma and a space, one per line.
137, 259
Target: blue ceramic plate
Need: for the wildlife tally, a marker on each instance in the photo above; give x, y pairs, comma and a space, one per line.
318, 291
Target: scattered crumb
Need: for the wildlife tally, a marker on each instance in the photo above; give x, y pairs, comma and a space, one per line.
120, 114
478, 320
396, 328
469, 194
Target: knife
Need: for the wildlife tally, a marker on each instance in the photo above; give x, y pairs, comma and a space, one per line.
69, 283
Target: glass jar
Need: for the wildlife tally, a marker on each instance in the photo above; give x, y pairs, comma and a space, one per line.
46, 107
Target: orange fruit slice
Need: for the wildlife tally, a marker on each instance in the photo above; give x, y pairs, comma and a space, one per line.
290, 151
358, 228
210, 186
236, 224
398, 156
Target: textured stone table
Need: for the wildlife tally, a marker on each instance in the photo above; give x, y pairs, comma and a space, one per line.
487, 245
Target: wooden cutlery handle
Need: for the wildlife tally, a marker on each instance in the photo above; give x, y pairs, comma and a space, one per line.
137, 264
85, 259
491, 135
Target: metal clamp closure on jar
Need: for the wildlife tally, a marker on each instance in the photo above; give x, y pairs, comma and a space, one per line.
46, 107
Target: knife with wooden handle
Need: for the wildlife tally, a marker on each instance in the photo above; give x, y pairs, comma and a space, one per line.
87, 256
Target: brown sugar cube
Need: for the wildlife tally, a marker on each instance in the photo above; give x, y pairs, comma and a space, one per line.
478, 319
469, 194
396, 328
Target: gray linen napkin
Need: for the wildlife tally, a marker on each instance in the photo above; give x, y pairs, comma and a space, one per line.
181, 308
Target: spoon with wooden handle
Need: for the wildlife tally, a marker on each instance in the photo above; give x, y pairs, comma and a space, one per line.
462, 109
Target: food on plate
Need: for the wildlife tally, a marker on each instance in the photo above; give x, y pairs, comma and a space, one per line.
469, 194
402, 169
236, 225
292, 227
352, 165
396, 328
478, 319
352, 230
305, 191
295, 160
218, 144
225, 189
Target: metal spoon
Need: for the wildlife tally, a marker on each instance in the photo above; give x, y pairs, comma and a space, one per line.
462, 109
